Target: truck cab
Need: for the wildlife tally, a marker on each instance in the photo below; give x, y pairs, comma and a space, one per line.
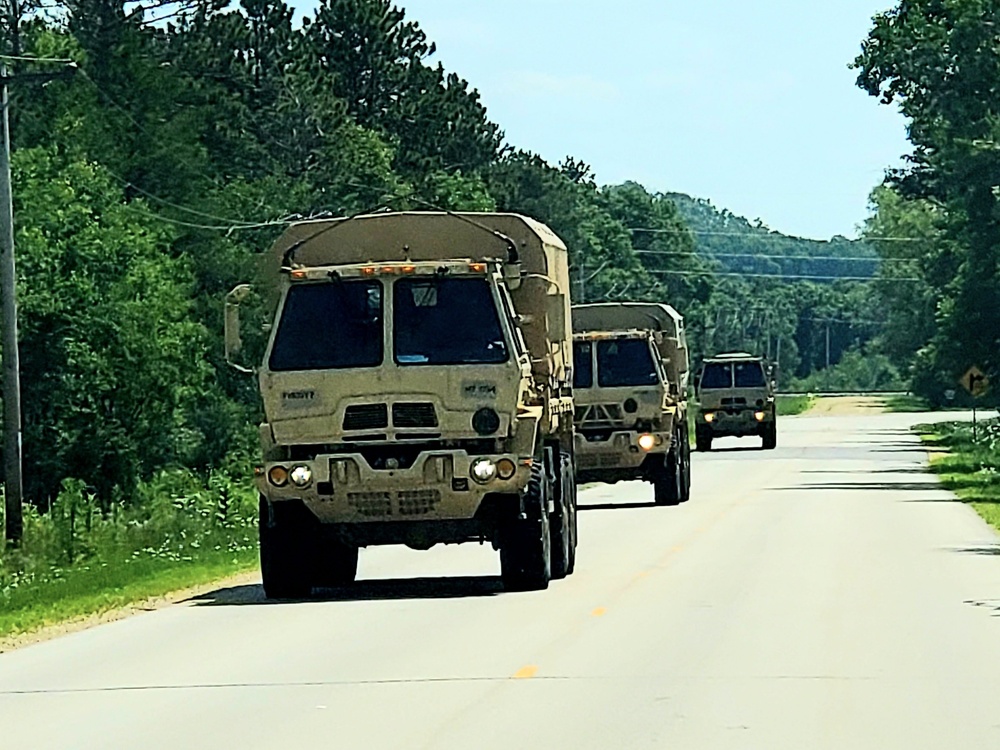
630, 363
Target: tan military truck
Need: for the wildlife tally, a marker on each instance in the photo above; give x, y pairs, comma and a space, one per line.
630, 388
417, 390
735, 398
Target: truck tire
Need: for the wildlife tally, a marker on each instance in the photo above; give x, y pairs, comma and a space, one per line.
685, 442
525, 544
668, 481
703, 439
563, 544
334, 562
285, 542
770, 435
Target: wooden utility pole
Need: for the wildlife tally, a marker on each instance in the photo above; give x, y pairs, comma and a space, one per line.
13, 485
13, 477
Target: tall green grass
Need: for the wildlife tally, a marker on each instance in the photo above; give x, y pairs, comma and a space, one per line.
83, 555
790, 405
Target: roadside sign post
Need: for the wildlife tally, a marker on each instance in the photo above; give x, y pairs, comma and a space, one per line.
977, 383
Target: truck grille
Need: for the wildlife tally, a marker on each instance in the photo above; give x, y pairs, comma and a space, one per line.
366, 417
408, 502
414, 415
599, 413
597, 461
417, 502
370, 504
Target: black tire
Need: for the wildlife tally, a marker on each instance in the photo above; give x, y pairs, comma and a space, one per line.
285, 542
525, 544
685, 442
562, 525
770, 435
668, 481
703, 439
334, 563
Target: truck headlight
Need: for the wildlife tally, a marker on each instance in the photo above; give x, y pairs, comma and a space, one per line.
709, 417
647, 442
759, 416
301, 476
483, 470
278, 476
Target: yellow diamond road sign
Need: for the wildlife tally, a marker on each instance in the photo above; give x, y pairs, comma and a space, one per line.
975, 381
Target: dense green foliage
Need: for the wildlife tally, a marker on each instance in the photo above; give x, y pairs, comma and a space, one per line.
939, 62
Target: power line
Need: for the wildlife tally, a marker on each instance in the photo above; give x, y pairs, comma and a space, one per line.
772, 275
708, 254
771, 234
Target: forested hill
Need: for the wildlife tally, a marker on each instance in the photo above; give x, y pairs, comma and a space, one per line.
745, 247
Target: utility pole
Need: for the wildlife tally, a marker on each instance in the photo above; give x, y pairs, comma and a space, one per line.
13, 477
13, 486
828, 344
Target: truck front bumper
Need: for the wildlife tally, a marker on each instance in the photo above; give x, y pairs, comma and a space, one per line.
343, 488
734, 422
619, 450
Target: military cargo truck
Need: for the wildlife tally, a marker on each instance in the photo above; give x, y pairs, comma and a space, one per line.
630, 389
735, 398
417, 390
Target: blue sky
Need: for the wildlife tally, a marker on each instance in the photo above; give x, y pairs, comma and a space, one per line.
748, 104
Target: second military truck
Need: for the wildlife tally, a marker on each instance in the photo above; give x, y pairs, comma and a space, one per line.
630, 388
735, 398
417, 390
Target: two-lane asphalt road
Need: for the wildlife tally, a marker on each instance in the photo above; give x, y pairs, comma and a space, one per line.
823, 595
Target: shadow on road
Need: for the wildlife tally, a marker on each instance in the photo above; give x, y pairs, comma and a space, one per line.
739, 449
383, 589
867, 486
616, 506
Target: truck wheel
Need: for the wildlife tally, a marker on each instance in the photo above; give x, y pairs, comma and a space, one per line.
525, 544
703, 439
334, 563
562, 543
285, 541
770, 436
668, 480
686, 463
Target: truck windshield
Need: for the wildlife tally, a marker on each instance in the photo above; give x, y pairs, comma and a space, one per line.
625, 363
446, 322
717, 375
329, 326
583, 365
749, 375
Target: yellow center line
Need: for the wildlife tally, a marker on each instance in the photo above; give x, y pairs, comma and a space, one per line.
600, 612
525, 673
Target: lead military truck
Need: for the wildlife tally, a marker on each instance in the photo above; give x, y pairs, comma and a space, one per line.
630, 388
417, 390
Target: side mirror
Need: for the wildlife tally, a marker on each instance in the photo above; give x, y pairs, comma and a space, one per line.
512, 275
231, 321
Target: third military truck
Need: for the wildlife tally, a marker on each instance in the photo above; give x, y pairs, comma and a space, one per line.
417, 390
630, 388
735, 398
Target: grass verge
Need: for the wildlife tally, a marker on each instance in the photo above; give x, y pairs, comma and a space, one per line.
790, 405
908, 404
99, 587
968, 465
